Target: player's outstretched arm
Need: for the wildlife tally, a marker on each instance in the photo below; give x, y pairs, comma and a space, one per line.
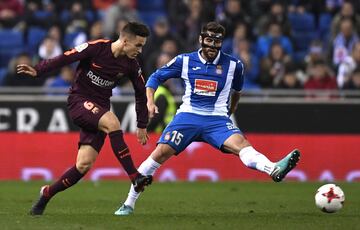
26, 69
152, 108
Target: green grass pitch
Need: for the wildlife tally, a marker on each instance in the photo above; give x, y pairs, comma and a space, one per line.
181, 205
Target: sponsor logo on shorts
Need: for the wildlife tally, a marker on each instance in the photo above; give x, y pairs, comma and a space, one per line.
205, 87
99, 81
231, 126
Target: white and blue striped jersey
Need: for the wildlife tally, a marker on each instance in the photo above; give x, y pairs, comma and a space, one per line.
207, 84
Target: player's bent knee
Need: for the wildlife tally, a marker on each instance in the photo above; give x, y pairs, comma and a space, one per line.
84, 166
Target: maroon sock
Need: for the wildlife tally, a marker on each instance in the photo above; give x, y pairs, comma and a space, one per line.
122, 153
68, 179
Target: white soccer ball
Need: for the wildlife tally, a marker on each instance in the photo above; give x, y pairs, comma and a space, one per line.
329, 198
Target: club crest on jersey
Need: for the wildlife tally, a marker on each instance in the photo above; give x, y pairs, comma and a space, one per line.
219, 69
205, 87
167, 136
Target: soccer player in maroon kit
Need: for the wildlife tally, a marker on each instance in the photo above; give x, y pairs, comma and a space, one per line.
102, 65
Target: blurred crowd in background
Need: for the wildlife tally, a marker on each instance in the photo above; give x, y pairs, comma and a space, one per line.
286, 44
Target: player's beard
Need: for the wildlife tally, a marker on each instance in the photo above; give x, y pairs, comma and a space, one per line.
210, 53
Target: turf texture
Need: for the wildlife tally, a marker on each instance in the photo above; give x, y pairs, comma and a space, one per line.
180, 205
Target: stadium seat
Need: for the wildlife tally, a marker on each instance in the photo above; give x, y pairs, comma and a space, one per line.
302, 40
3, 72
90, 16
150, 17
34, 38
10, 39
324, 26
154, 5
302, 22
11, 43
42, 14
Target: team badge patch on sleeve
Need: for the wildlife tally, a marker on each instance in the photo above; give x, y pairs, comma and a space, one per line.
81, 47
205, 87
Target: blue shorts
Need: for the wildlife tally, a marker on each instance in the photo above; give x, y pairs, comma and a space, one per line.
186, 128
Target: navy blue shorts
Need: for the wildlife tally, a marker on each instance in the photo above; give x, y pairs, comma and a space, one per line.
186, 128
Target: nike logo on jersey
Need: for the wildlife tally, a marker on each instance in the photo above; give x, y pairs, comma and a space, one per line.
96, 66
196, 68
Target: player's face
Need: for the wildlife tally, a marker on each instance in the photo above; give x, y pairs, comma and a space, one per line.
134, 45
212, 46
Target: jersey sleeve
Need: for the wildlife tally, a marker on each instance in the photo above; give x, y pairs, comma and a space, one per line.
83, 51
138, 83
238, 80
170, 70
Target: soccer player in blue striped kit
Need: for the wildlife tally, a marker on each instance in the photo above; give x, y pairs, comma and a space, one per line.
213, 83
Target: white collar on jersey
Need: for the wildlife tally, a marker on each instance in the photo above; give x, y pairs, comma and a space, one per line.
215, 62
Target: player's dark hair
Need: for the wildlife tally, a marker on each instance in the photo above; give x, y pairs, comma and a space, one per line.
136, 28
213, 27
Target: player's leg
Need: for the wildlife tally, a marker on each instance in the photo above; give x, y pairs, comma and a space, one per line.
238, 145
174, 139
253, 159
110, 124
161, 154
85, 159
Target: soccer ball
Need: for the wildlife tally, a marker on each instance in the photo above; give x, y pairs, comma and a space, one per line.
329, 198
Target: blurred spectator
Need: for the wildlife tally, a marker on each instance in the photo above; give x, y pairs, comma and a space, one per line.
10, 10
347, 11
273, 67
177, 11
102, 4
119, 24
251, 62
354, 81
96, 31
63, 80
13, 79
169, 47
234, 13
40, 13
348, 66
343, 42
55, 32
240, 34
274, 35
277, 14
316, 53
320, 77
49, 48
164, 99
76, 20
188, 30
189, 11
160, 32
290, 81
122, 9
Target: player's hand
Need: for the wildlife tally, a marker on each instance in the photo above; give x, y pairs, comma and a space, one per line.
26, 69
142, 136
153, 109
